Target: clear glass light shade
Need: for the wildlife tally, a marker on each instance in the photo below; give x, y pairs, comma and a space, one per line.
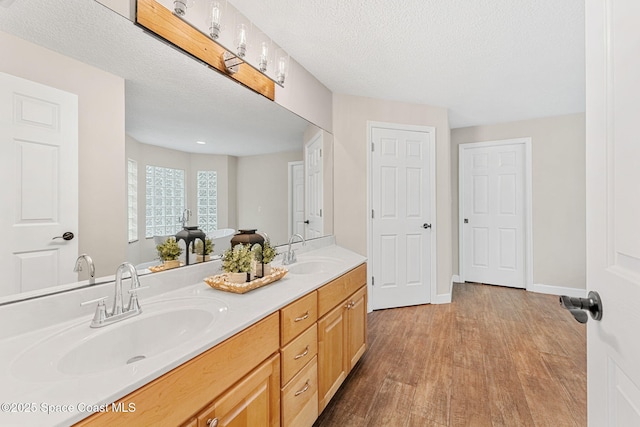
263, 52
216, 14
180, 6
242, 36
281, 66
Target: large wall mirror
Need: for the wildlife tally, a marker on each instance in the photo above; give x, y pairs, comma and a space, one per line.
144, 110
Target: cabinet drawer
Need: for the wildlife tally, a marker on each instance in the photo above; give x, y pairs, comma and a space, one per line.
298, 353
338, 290
298, 316
300, 397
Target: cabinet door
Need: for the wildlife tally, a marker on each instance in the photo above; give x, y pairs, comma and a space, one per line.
253, 402
333, 363
356, 326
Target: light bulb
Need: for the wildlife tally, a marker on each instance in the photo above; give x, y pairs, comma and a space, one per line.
242, 40
216, 14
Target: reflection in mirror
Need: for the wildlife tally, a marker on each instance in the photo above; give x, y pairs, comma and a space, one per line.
142, 103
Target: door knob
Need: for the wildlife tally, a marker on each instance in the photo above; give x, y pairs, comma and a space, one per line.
306, 222
580, 306
66, 236
425, 225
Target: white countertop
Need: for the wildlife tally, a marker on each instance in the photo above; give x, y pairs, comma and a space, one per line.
72, 398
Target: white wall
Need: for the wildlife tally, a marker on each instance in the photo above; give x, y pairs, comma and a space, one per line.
102, 229
262, 193
558, 146
350, 116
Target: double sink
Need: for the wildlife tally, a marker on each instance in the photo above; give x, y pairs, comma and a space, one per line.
78, 350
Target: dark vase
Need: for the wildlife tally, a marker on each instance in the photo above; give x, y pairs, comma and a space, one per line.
247, 237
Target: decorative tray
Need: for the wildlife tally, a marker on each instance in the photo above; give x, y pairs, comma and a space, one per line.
220, 281
161, 267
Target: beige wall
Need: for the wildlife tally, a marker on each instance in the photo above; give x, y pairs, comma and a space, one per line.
350, 116
102, 231
304, 95
263, 199
558, 149
144, 249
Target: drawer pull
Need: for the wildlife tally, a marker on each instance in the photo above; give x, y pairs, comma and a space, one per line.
299, 319
303, 354
305, 388
212, 422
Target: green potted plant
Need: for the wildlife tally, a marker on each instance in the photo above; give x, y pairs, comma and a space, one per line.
169, 252
236, 262
263, 255
208, 248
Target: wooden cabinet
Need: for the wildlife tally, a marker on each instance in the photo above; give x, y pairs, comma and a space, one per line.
254, 401
341, 342
175, 398
300, 397
299, 340
281, 371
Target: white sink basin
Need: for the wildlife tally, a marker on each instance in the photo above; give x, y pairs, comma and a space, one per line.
312, 266
80, 350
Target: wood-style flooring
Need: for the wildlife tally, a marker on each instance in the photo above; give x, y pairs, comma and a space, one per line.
493, 357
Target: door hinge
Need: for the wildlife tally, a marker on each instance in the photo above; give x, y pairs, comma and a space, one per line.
373, 281
373, 215
320, 212
373, 147
321, 152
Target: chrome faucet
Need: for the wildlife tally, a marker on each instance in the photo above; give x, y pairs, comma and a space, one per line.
90, 265
119, 311
290, 256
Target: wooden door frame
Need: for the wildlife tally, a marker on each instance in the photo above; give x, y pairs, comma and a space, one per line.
528, 203
432, 200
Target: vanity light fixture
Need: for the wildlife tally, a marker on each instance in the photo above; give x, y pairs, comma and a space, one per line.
242, 33
215, 18
282, 66
264, 52
180, 6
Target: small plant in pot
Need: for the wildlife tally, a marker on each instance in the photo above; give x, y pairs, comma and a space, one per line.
169, 252
236, 262
263, 255
208, 248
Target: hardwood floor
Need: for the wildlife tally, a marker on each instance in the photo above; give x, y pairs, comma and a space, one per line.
493, 357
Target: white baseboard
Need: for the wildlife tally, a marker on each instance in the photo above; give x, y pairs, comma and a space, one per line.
442, 299
557, 290
455, 279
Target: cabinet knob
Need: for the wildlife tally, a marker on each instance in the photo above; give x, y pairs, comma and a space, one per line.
212, 422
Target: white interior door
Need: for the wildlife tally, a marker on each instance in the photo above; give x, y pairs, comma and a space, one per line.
39, 191
313, 187
402, 200
613, 210
493, 212
296, 198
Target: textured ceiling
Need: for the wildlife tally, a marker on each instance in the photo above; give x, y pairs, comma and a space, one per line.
488, 61
171, 99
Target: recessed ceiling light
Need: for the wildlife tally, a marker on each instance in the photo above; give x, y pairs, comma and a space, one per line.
200, 142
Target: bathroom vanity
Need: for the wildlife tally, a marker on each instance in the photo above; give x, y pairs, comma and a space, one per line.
273, 356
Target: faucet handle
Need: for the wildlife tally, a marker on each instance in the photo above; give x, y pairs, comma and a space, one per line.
101, 312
